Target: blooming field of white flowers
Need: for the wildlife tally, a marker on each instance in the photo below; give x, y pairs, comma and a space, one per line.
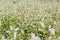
29, 19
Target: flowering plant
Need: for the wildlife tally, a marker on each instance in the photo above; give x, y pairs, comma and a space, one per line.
29, 20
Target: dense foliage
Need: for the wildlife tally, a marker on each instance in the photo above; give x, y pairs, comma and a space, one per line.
29, 20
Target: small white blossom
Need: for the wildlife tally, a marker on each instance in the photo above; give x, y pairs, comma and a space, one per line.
22, 31
49, 26
54, 22
3, 38
52, 30
8, 31
39, 29
34, 37
11, 27
16, 29
15, 33
42, 24
49, 38
59, 38
37, 38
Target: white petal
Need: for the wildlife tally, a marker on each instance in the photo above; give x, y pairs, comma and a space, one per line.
42, 24
15, 33
59, 38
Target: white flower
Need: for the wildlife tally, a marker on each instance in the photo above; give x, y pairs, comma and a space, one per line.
59, 38
11, 27
3, 38
16, 29
8, 31
42, 24
39, 29
22, 31
37, 38
49, 26
15, 33
33, 37
49, 38
52, 30
54, 22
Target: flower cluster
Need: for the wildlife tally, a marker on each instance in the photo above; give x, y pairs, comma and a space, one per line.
29, 20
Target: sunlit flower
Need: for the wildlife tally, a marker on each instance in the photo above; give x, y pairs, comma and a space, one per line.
59, 38
15, 34
54, 22
16, 29
52, 30
3, 38
22, 31
7, 31
37, 38
42, 24
34, 37
11, 27
49, 38
39, 29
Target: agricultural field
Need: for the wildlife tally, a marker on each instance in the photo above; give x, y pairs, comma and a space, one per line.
29, 19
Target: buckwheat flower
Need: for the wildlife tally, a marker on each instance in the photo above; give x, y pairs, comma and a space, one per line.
39, 29
11, 27
22, 31
54, 22
49, 26
3, 38
8, 31
16, 29
42, 24
15, 33
52, 30
34, 37
49, 38
37, 38
59, 38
